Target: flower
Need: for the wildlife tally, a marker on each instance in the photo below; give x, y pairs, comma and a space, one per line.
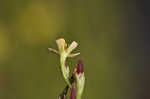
62, 48
65, 52
75, 82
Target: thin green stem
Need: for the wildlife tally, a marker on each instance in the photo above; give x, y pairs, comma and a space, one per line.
79, 94
64, 93
64, 69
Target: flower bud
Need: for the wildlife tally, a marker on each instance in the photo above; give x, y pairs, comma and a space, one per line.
80, 78
73, 92
79, 67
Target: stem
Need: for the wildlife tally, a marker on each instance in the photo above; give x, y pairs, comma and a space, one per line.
65, 91
64, 70
79, 95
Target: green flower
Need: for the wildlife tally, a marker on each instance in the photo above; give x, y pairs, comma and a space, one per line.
65, 52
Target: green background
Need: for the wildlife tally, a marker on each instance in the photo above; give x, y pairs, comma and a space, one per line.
102, 29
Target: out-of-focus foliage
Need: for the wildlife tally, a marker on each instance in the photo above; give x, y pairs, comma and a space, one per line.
5, 44
40, 22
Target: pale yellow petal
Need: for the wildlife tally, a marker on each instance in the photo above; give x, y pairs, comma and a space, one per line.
72, 47
61, 44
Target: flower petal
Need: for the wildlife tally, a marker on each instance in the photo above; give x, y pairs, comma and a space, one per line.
72, 47
61, 44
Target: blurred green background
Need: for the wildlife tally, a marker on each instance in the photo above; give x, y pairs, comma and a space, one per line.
113, 39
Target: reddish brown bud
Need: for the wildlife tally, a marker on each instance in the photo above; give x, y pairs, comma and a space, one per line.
79, 67
73, 92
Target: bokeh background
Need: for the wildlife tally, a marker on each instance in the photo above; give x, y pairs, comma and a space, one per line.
113, 37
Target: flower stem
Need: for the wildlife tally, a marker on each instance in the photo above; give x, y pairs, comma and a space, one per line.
65, 69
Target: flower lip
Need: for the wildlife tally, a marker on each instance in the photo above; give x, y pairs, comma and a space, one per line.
73, 92
79, 67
